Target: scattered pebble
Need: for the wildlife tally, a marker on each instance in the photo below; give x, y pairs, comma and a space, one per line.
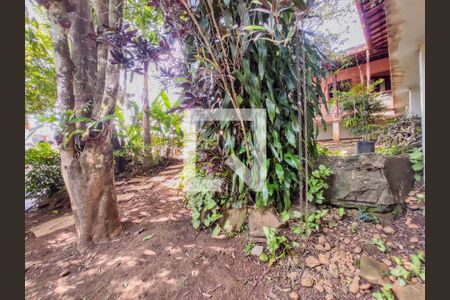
329, 297
312, 262
357, 250
307, 281
414, 240
322, 240
319, 287
389, 230
324, 259
293, 296
365, 286
347, 241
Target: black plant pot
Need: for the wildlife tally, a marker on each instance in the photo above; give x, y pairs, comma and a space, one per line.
365, 147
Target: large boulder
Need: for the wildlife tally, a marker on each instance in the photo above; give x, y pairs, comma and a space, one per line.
379, 183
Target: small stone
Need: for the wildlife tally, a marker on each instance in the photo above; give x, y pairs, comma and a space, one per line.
414, 207
312, 262
357, 250
319, 287
365, 286
400, 246
354, 287
293, 296
389, 230
319, 247
327, 247
387, 262
334, 271
257, 250
324, 259
347, 241
307, 281
322, 240
329, 297
293, 275
413, 226
412, 193
414, 240
379, 227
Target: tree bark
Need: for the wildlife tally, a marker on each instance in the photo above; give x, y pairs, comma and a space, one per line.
148, 158
87, 83
89, 180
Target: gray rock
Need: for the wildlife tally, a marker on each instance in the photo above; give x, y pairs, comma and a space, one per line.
257, 250
258, 219
368, 181
372, 270
234, 219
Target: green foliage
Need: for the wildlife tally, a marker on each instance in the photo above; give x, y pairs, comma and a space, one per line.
363, 107
389, 151
416, 268
248, 248
277, 245
416, 159
324, 151
311, 223
205, 207
42, 171
317, 184
341, 212
385, 293
366, 216
379, 244
40, 74
254, 61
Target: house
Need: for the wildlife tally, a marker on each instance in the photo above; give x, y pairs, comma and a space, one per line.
394, 50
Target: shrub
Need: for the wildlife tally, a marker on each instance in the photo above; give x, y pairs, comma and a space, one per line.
43, 171
363, 107
317, 184
416, 159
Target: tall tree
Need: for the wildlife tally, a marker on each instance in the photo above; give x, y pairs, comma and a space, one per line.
85, 46
40, 75
147, 21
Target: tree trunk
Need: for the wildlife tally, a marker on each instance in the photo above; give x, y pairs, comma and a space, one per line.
87, 85
89, 179
148, 159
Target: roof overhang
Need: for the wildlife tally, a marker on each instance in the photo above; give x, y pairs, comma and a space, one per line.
406, 32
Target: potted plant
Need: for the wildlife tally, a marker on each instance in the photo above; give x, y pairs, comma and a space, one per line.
362, 108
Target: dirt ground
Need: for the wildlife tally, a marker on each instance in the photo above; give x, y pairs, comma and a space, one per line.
160, 256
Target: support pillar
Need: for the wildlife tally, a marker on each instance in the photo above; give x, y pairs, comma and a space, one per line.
336, 131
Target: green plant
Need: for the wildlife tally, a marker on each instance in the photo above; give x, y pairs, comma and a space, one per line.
385, 293
417, 267
254, 42
365, 216
205, 209
363, 107
379, 244
341, 212
324, 151
277, 245
389, 150
317, 183
416, 159
42, 171
420, 197
248, 248
354, 227
311, 223
287, 215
